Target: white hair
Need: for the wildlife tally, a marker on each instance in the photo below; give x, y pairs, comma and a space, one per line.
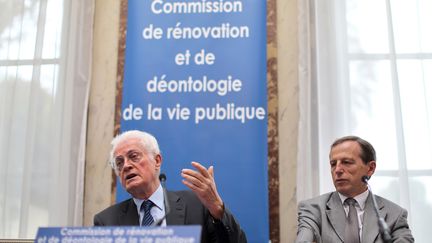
147, 140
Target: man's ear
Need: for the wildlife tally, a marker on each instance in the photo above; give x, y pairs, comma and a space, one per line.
372, 167
158, 159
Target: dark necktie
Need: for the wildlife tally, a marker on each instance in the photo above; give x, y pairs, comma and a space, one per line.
351, 226
147, 219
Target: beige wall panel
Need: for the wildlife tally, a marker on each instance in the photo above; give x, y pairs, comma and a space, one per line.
98, 178
287, 39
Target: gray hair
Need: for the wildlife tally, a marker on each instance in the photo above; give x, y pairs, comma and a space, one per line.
147, 140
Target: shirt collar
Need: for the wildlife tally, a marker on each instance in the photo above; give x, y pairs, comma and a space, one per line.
157, 198
361, 198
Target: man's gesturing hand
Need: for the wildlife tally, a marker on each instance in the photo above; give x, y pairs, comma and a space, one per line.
201, 181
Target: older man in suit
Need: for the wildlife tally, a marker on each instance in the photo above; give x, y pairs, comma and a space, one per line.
136, 159
327, 218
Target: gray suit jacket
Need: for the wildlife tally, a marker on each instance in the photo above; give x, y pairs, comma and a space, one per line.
322, 219
185, 209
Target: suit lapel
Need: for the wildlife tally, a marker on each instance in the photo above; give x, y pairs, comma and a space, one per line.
370, 220
129, 214
336, 215
177, 214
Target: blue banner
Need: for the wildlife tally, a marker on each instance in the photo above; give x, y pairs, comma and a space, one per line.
123, 234
195, 78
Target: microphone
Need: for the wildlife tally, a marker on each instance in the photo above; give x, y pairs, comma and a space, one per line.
383, 227
162, 179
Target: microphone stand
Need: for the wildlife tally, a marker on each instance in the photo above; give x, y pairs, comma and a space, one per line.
162, 178
383, 227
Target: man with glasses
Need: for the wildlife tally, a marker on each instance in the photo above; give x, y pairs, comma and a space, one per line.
136, 160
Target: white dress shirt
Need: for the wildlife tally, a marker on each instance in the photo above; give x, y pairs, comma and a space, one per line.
360, 205
158, 210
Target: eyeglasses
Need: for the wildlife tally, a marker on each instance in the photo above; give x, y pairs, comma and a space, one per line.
133, 156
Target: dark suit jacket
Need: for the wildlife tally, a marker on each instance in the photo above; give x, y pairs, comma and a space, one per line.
185, 209
322, 219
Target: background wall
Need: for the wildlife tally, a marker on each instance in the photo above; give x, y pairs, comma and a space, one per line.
98, 179
283, 113
288, 94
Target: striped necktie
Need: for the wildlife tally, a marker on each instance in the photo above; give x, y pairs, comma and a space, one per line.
147, 219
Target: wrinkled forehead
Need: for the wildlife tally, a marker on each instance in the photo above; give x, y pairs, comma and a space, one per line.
126, 146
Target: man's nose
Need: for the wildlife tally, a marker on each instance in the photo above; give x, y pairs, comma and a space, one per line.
339, 168
127, 164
